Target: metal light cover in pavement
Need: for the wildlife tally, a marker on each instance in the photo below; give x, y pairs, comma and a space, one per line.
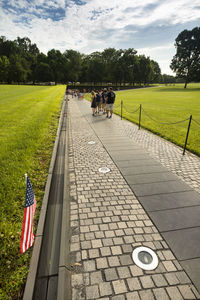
104, 170
91, 143
145, 258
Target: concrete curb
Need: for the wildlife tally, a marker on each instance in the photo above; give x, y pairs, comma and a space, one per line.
31, 278
64, 275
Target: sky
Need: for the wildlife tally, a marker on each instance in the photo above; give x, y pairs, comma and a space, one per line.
148, 26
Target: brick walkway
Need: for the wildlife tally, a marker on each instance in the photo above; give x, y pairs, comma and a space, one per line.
187, 167
108, 222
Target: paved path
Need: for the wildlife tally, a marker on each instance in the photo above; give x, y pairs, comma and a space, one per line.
110, 213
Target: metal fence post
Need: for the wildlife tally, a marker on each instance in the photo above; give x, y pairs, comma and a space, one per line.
188, 130
121, 108
140, 115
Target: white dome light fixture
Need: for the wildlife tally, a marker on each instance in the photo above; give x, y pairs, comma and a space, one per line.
91, 143
145, 258
104, 170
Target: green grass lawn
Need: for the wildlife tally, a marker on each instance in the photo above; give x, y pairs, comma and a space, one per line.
28, 121
165, 104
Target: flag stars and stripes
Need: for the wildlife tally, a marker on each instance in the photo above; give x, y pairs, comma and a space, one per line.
27, 237
29, 194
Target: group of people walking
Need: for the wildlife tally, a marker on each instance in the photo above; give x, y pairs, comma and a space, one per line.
103, 101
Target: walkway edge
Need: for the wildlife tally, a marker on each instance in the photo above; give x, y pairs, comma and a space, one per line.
31, 278
64, 274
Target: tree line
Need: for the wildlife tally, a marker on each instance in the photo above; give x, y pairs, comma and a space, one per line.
22, 62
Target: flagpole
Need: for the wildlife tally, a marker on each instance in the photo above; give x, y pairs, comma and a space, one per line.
26, 177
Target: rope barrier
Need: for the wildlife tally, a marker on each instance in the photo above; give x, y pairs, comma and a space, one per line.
172, 123
132, 112
140, 109
196, 122
117, 106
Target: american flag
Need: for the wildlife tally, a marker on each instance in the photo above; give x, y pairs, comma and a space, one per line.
27, 237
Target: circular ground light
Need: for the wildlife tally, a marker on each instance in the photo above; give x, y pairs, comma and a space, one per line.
145, 258
91, 143
104, 170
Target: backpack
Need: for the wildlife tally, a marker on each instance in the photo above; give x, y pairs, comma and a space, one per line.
98, 98
112, 95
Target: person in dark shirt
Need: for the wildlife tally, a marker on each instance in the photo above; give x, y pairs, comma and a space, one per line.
110, 99
104, 95
98, 101
93, 103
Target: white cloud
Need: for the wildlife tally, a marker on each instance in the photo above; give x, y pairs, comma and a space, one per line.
99, 24
109, 13
177, 11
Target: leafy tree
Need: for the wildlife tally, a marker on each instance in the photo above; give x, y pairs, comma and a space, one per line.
117, 72
109, 60
21, 61
41, 57
18, 69
43, 72
25, 46
156, 72
7, 48
129, 65
4, 68
186, 62
73, 60
56, 62
145, 69
28, 51
85, 62
168, 78
40, 65
95, 67
179, 80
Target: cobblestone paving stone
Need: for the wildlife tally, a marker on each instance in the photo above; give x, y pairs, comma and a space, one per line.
186, 167
107, 223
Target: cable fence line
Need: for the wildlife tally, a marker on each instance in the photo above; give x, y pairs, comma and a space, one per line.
164, 123
131, 112
118, 105
140, 109
196, 122
172, 123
